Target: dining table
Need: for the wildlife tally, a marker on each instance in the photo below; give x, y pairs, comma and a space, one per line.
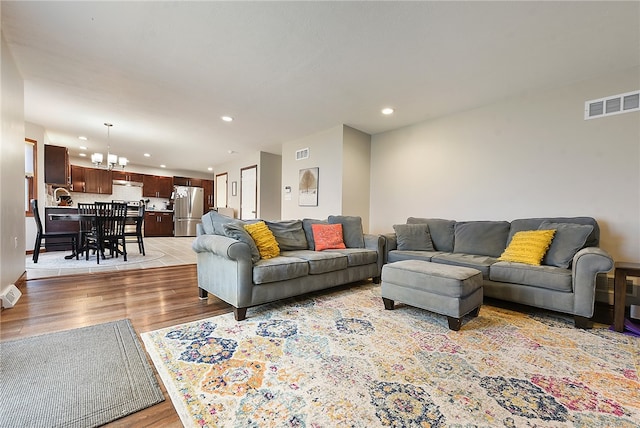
77, 217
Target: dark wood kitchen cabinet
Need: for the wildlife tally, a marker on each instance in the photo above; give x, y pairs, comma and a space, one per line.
127, 176
98, 181
59, 226
155, 186
77, 178
158, 223
56, 165
187, 181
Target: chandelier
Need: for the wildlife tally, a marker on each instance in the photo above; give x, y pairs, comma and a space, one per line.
112, 159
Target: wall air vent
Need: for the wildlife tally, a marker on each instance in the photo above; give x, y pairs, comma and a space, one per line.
302, 154
615, 104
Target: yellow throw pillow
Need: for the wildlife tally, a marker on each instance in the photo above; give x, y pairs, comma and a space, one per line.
528, 247
264, 239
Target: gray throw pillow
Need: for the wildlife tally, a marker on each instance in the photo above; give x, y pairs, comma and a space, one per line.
351, 230
237, 231
413, 237
289, 234
308, 231
567, 241
441, 231
212, 223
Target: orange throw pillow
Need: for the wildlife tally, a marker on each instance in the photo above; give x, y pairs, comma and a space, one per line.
327, 236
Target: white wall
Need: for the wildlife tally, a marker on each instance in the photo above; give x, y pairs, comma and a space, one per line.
269, 167
269, 185
325, 152
356, 164
530, 156
12, 230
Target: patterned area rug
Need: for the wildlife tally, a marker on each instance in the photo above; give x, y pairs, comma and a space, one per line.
340, 359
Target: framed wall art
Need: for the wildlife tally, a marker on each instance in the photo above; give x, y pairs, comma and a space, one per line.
308, 187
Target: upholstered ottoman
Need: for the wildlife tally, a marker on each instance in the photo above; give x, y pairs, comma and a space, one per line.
448, 290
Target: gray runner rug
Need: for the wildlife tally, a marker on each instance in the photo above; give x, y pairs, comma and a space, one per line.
84, 377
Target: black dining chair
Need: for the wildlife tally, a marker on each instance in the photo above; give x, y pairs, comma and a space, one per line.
52, 238
109, 231
135, 230
87, 225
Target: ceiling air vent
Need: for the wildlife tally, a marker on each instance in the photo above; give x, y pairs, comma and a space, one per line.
615, 104
302, 154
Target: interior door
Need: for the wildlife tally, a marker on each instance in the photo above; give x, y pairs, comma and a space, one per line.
221, 190
249, 192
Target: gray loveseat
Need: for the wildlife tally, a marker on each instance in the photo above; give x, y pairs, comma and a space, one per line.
229, 269
564, 282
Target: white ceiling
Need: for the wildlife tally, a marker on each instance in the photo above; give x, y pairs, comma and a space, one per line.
165, 72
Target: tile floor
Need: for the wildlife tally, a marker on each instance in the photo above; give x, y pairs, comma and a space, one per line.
176, 250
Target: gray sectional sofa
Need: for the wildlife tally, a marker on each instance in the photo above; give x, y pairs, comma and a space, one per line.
564, 282
229, 269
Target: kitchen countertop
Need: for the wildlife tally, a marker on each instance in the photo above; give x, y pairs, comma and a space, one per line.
156, 210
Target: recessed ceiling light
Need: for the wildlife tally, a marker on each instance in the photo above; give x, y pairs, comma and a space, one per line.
231, 152
210, 169
82, 137
147, 155
227, 118
82, 155
163, 166
387, 111
83, 148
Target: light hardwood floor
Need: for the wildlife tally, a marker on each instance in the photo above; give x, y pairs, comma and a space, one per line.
151, 298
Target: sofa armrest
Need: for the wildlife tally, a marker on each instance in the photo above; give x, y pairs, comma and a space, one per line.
391, 243
376, 243
221, 246
587, 264
225, 269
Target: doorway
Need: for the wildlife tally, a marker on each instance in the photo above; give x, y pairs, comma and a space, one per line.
249, 193
221, 190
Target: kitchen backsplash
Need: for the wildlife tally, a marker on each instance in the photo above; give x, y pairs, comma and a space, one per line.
119, 193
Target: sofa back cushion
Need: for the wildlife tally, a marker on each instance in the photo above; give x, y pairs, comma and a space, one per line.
568, 240
593, 240
289, 234
351, 229
441, 231
308, 231
488, 238
212, 223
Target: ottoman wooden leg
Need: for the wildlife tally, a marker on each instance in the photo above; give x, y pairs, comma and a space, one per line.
474, 313
388, 303
454, 323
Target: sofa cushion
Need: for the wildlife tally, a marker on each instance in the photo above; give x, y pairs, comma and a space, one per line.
441, 231
549, 277
568, 240
308, 231
320, 261
482, 263
534, 223
352, 233
264, 239
279, 269
397, 255
358, 256
289, 234
327, 236
528, 246
487, 238
413, 237
237, 231
212, 223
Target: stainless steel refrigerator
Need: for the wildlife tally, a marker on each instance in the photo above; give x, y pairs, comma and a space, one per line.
187, 209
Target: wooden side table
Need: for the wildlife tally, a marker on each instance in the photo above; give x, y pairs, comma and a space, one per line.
622, 271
